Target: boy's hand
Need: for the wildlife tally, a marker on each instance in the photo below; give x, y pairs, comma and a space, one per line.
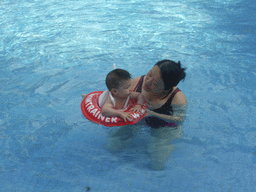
136, 108
126, 116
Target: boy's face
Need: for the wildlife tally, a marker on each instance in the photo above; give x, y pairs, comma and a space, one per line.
123, 89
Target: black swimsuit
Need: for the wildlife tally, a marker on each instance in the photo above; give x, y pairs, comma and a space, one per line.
165, 109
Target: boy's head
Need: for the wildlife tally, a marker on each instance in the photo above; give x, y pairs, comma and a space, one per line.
118, 82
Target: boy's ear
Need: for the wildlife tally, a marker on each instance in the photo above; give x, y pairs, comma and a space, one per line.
114, 91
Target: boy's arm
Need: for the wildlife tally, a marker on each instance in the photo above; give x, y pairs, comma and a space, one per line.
109, 111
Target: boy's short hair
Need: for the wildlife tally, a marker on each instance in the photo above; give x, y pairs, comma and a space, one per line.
114, 77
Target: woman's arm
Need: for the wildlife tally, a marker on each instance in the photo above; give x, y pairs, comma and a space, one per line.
167, 118
140, 101
179, 114
138, 96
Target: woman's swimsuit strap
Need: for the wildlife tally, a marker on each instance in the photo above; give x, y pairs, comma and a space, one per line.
169, 101
138, 87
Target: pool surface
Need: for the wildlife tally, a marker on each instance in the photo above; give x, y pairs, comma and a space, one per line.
53, 51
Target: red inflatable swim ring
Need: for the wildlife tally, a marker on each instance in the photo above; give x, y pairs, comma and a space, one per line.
92, 111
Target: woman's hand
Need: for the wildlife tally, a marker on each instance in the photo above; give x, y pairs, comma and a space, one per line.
174, 118
177, 118
149, 113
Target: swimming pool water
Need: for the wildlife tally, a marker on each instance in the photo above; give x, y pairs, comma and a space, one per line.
53, 51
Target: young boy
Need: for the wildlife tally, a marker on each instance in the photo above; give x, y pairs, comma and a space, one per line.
116, 99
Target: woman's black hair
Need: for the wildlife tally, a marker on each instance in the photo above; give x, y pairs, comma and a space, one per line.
172, 73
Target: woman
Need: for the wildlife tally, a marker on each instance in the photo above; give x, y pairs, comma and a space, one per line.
159, 89
166, 113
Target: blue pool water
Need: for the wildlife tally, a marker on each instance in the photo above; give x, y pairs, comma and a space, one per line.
53, 51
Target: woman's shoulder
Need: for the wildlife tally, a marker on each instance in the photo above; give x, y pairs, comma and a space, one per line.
179, 98
134, 82
136, 79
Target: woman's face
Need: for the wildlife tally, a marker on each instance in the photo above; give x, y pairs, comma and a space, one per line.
154, 82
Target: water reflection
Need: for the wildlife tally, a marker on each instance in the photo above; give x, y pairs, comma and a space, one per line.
159, 146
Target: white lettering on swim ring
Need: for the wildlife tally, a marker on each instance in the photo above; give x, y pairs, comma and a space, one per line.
101, 117
114, 120
89, 99
94, 111
89, 103
97, 114
90, 107
135, 115
107, 119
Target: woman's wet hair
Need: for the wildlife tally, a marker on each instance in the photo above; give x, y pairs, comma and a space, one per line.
114, 77
172, 73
